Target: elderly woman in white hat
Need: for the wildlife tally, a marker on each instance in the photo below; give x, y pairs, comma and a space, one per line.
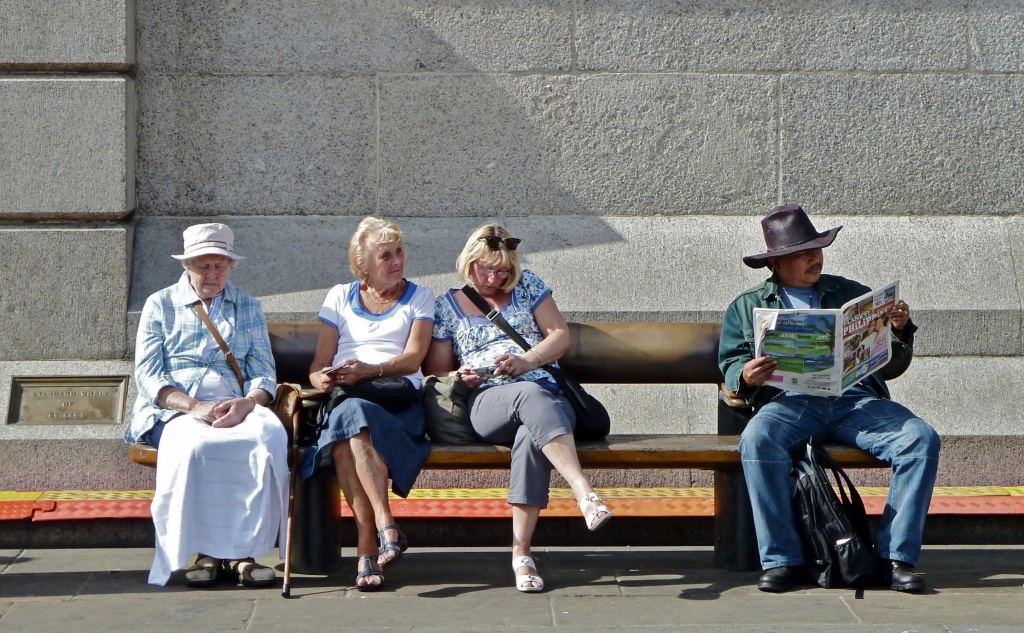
205, 374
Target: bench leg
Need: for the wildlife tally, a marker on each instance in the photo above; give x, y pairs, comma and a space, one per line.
735, 539
316, 547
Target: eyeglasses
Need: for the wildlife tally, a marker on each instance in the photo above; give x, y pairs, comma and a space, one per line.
494, 242
487, 272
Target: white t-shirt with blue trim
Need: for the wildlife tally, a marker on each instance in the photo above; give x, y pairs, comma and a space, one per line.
375, 338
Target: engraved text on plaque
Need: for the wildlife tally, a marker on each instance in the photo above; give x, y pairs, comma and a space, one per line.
68, 400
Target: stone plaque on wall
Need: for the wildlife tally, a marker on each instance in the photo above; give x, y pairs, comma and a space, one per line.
68, 400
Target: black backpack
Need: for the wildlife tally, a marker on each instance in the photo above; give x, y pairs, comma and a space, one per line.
838, 549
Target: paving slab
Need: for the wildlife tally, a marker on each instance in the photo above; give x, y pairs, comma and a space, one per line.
461, 590
221, 614
7, 557
953, 608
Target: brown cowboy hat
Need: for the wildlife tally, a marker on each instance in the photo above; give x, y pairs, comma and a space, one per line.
787, 229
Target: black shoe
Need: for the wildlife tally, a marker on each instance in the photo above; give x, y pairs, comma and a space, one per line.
901, 577
780, 579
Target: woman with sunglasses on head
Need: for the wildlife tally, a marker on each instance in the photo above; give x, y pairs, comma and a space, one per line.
514, 400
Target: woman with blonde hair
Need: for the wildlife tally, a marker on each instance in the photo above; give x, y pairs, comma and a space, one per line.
514, 400
375, 327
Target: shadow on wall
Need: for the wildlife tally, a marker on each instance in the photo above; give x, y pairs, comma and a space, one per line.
439, 114
289, 255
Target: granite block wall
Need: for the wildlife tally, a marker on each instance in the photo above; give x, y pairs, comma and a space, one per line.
70, 141
67, 193
67, 34
632, 144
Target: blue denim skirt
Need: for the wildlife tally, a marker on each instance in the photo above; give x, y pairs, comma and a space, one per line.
399, 438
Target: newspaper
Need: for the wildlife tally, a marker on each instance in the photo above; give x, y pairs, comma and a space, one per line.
805, 343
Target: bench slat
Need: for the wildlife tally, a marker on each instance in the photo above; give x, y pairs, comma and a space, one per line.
618, 451
635, 451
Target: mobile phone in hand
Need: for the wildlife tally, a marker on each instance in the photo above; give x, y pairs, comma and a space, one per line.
331, 370
485, 370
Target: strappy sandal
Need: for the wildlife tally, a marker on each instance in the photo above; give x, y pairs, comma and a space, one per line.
527, 583
595, 512
203, 573
369, 572
395, 547
252, 574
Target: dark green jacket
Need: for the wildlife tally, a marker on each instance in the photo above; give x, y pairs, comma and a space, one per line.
736, 345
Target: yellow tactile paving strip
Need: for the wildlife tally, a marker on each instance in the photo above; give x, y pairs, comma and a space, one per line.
490, 503
8, 495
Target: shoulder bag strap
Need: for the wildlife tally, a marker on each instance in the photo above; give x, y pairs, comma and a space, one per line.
495, 316
198, 305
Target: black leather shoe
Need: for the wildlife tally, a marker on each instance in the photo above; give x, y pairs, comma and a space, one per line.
901, 577
780, 579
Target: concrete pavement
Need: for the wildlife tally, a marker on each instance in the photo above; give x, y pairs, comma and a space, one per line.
630, 590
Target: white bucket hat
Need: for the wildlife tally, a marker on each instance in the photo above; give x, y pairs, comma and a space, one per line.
208, 239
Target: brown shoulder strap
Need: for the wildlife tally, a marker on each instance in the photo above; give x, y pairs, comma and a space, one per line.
198, 305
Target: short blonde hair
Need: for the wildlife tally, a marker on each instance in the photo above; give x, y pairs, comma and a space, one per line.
370, 231
476, 248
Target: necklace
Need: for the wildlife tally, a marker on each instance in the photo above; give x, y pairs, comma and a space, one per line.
380, 300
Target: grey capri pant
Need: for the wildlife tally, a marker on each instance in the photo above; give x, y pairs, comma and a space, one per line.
527, 416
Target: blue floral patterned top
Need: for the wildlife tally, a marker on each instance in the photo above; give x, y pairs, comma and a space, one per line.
478, 342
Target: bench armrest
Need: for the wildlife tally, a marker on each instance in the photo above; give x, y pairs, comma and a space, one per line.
291, 403
142, 454
731, 399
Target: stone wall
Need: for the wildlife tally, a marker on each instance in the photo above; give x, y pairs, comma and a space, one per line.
632, 144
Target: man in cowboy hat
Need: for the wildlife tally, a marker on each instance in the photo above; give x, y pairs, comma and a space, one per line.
783, 422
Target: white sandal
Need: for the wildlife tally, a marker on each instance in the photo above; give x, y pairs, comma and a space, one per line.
527, 583
595, 512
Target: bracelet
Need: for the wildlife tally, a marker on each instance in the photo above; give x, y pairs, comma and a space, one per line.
381, 367
540, 361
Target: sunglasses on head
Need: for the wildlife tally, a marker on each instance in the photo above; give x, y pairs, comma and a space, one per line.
494, 242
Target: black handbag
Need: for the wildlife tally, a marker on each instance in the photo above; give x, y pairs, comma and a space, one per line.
838, 550
394, 393
592, 419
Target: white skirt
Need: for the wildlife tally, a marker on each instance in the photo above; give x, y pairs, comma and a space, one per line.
222, 492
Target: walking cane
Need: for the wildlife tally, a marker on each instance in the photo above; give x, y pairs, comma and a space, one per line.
293, 473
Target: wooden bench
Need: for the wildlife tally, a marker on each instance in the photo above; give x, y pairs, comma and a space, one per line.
611, 353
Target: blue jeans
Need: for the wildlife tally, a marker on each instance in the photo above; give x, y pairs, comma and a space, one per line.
780, 430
